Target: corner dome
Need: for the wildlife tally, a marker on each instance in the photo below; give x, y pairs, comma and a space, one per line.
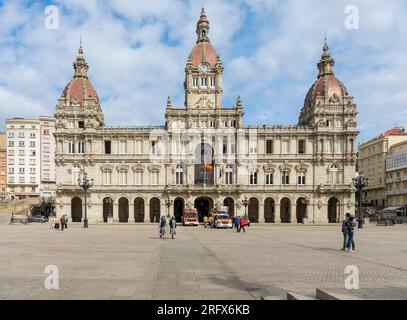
327, 85
80, 90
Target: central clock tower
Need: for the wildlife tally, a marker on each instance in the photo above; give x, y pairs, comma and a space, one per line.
203, 72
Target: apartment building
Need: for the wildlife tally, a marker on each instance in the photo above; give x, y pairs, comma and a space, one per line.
47, 163
396, 175
372, 162
3, 166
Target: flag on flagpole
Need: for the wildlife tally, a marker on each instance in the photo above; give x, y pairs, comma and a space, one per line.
208, 167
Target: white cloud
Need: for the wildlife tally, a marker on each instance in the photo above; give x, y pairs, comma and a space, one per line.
269, 50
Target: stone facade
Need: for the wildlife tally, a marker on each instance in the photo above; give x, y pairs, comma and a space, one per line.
204, 156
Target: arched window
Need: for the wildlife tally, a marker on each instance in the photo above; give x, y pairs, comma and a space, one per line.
229, 175
179, 175
76, 170
333, 174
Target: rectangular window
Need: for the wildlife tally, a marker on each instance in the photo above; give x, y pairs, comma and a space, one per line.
338, 123
195, 82
123, 178
253, 147
32, 144
153, 147
328, 146
339, 145
229, 176
138, 179
269, 146
21, 144
154, 178
71, 147
179, 178
11, 144
285, 146
108, 147
212, 82
301, 146
285, 178
269, 178
301, 178
81, 124
204, 82
81, 147
253, 178
139, 147
122, 146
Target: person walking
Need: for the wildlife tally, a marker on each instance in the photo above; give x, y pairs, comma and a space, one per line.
205, 220
350, 226
163, 224
346, 234
173, 227
62, 222
237, 224
242, 224
51, 222
65, 221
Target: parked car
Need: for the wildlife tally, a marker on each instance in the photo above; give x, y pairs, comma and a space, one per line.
39, 218
222, 221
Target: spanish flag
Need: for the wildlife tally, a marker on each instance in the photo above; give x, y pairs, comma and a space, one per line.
208, 167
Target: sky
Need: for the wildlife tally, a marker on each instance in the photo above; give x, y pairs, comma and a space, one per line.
137, 51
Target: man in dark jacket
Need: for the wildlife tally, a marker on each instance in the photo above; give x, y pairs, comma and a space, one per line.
346, 233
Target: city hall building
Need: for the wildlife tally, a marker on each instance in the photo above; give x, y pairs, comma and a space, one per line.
204, 156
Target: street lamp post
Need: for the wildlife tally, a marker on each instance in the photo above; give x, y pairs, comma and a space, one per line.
245, 202
360, 182
168, 203
85, 184
109, 202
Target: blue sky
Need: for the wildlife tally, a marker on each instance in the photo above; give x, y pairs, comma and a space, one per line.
137, 52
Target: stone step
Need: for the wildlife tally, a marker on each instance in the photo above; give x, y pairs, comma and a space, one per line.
297, 296
333, 294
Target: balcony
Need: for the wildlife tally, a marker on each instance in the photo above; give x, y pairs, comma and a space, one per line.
397, 192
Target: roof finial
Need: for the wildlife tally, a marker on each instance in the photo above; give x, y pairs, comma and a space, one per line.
326, 48
80, 45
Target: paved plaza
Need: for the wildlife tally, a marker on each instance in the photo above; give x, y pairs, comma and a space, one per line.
131, 262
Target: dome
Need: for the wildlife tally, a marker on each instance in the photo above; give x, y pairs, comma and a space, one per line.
203, 51
327, 85
80, 87
77, 90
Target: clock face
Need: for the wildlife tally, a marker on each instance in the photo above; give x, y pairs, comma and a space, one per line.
204, 67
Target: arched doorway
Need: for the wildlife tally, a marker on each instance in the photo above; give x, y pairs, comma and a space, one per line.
107, 208
333, 210
204, 205
301, 213
123, 210
269, 213
230, 203
76, 209
139, 210
254, 210
204, 165
179, 206
155, 210
285, 210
